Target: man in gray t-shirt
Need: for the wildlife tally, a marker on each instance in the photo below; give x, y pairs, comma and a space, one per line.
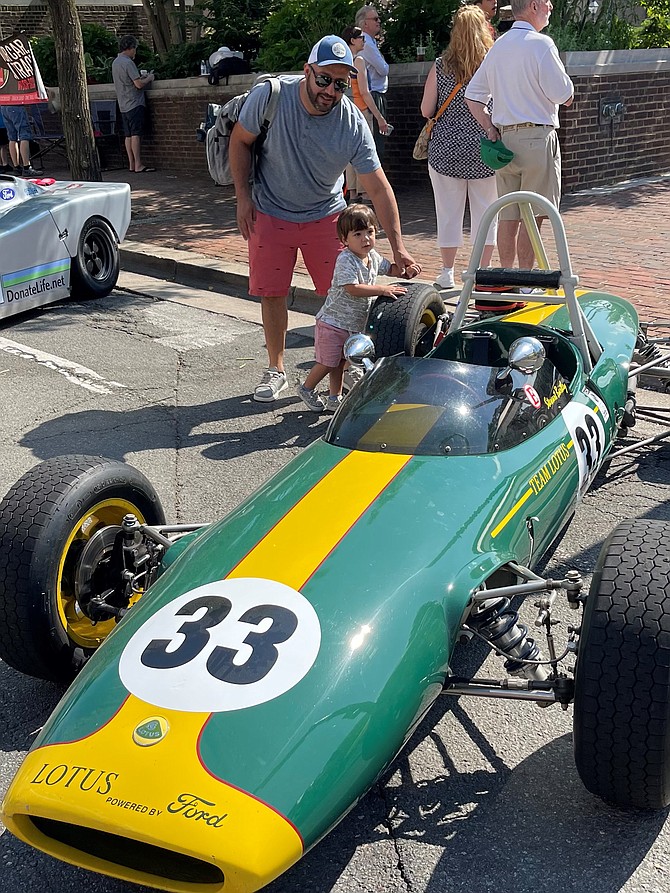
297, 195
130, 86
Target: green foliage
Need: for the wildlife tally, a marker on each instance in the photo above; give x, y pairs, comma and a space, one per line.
183, 60
410, 53
573, 28
408, 22
100, 48
655, 30
573, 36
294, 26
236, 24
44, 50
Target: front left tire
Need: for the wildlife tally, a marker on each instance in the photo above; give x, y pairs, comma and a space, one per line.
407, 324
47, 519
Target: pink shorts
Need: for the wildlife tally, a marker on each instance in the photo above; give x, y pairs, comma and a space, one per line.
273, 251
328, 344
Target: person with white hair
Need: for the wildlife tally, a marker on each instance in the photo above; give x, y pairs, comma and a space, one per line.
524, 76
367, 19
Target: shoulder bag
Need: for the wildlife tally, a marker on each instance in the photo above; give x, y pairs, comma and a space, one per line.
420, 152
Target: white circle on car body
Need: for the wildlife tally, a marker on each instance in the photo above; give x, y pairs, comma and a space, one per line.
589, 438
224, 646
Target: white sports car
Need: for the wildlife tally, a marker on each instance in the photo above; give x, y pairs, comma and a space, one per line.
59, 239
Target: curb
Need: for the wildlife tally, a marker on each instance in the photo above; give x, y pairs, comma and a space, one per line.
208, 273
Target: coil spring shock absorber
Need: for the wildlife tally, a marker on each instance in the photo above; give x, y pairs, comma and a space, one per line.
499, 624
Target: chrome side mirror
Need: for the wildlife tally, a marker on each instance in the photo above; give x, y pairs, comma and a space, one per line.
527, 355
360, 351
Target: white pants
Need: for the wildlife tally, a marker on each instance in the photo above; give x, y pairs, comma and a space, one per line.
450, 194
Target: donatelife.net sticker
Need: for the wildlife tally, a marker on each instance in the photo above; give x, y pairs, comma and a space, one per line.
225, 646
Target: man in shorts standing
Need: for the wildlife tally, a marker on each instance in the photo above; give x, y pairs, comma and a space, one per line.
17, 125
525, 76
296, 196
130, 86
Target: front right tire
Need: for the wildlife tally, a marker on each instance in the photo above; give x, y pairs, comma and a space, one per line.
622, 691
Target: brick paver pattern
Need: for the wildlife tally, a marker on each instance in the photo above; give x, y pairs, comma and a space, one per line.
619, 238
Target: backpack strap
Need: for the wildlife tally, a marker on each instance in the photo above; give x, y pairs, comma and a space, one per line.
270, 109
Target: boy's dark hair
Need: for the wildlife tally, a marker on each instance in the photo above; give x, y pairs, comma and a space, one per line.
353, 219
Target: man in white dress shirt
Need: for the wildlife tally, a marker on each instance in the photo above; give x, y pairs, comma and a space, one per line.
524, 75
367, 19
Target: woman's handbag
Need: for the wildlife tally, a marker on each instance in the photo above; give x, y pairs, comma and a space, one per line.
420, 152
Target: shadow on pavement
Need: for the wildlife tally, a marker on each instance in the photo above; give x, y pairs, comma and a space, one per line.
117, 434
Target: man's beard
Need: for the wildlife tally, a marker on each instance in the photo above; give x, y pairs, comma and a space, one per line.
318, 100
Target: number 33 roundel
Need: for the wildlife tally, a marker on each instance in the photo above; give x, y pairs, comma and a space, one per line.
224, 646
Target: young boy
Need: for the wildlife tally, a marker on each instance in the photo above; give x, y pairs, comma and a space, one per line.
345, 310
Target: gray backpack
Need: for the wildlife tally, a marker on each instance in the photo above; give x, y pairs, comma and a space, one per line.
217, 141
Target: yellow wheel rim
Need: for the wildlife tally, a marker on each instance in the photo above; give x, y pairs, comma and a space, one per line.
76, 624
428, 318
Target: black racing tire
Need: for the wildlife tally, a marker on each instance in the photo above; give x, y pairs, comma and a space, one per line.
407, 324
46, 519
622, 691
95, 268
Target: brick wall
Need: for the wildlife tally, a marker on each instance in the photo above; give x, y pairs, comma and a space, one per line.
35, 21
594, 153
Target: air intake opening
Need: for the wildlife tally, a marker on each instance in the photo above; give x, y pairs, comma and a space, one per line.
144, 857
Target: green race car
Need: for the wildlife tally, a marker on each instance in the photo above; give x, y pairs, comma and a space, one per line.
277, 661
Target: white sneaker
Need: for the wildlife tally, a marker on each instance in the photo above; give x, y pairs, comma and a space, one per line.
446, 278
272, 384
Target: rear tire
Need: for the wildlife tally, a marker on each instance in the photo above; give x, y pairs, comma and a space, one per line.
46, 520
406, 325
95, 269
622, 692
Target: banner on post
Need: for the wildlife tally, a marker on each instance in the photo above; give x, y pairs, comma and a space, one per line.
20, 79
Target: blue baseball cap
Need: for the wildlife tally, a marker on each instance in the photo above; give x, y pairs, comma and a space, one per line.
331, 50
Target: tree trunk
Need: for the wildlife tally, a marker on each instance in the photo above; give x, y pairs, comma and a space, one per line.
75, 110
156, 32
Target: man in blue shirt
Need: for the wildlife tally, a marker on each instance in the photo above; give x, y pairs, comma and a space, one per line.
367, 18
297, 192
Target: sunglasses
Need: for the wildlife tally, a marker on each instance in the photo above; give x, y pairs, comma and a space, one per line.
373, 19
325, 80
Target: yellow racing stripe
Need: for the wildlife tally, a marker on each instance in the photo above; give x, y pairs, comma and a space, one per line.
510, 514
298, 544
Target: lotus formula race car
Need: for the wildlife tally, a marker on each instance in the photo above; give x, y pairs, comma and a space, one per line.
238, 695
59, 239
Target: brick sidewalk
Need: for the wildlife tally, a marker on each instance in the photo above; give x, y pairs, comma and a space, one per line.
619, 238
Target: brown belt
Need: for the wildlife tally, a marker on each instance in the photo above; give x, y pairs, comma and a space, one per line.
501, 128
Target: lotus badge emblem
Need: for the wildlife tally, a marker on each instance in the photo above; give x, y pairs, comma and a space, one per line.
150, 731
